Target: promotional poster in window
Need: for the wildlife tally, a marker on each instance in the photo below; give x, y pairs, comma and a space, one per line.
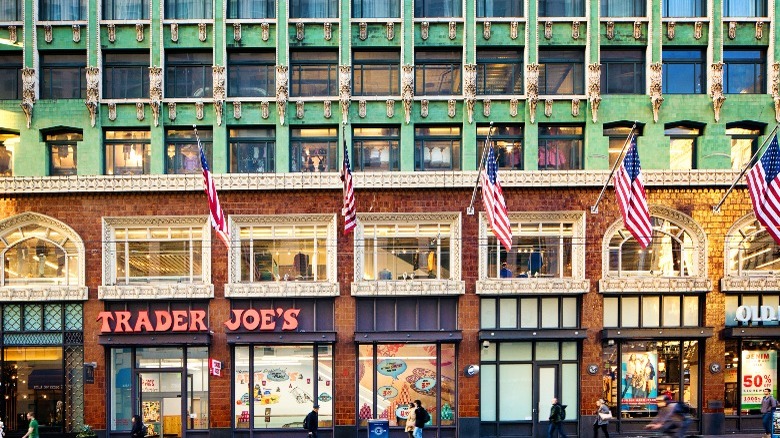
640, 380
759, 371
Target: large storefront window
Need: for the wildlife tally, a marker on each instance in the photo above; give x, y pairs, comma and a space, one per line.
37, 254
284, 252
750, 367
407, 251
538, 250
670, 253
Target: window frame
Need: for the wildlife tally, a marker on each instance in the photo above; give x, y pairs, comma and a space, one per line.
358, 8
639, 312
455, 148
110, 11
699, 78
754, 137
487, 58
46, 12
619, 132
54, 143
55, 66
392, 139
16, 15
638, 74
760, 6
558, 57
239, 69
760, 65
266, 143
359, 67
504, 139
544, 6
328, 155
639, 8
145, 161
173, 12
516, 7
303, 72
297, 9
578, 156
11, 66
682, 136
425, 62
126, 64
174, 68
234, 8
743, 235
498, 302
175, 144
424, 9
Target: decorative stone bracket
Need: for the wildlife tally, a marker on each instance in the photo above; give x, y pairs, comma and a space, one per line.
656, 97
93, 92
155, 92
716, 90
282, 93
28, 93
775, 78
594, 89
470, 89
218, 85
407, 90
345, 75
532, 88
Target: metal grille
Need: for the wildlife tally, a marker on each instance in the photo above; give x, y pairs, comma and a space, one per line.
33, 339
52, 317
12, 318
74, 338
33, 317
74, 389
73, 317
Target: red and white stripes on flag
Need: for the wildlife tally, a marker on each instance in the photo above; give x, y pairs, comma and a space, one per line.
493, 199
349, 211
764, 192
218, 220
630, 192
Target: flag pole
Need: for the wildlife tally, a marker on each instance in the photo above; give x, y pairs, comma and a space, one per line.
716, 208
595, 208
470, 208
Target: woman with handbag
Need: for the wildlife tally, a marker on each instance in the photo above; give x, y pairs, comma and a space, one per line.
603, 415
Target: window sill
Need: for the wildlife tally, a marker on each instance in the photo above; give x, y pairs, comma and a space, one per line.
282, 289
753, 283
654, 285
41, 293
157, 291
535, 286
408, 288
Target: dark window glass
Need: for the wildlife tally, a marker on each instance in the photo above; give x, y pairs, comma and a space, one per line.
125, 75
376, 148
376, 73
386, 314
438, 8
560, 147
684, 8
499, 72
376, 8
561, 72
252, 150
62, 10
11, 76
125, 9
622, 72
251, 9
62, 152
744, 8
622, 8
744, 71
63, 76
127, 152
314, 150
188, 9
561, 8
188, 74
314, 73
683, 71
182, 154
499, 8
11, 10
437, 148
508, 143
437, 73
251, 74
314, 8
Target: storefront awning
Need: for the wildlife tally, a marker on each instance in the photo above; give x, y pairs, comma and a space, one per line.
752, 332
658, 333
410, 336
281, 338
532, 335
155, 339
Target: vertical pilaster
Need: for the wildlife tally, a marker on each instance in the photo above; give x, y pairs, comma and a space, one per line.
220, 145
159, 155
531, 132
282, 58
407, 57
469, 130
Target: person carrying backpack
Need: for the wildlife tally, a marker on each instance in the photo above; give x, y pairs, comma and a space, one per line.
311, 422
139, 428
421, 418
768, 407
557, 415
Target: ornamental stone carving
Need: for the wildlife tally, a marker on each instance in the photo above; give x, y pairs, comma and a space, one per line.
139, 32
236, 32
575, 29
610, 30
656, 98
281, 91
407, 89
175, 32
363, 31
327, 112
697, 29
111, 27
299, 31
172, 111
759, 30
716, 89
775, 78
548, 29
532, 88
732, 30
299, 109
513, 30
202, 32
594, 89
362, 108
390, 112
424, 30
486, 30
390, 30
28, 93
112, 111
93, 92
237, 110
193, 291
451, 108
219, 106
265, 31
453, 30
345, 76
199, 110
575, 107
12, 34
513, 107
219, 93
264, 109
637, 30
548, 107
327, 31
424, 108
139, 111
155, 92
670, 30
76, 33
470, 89
486, 107
47, 35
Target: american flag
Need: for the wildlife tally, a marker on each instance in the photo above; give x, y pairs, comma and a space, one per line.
349, 211
763, 187
493, 199
630, 192
218, 220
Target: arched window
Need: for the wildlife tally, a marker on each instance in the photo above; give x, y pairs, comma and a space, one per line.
750, 250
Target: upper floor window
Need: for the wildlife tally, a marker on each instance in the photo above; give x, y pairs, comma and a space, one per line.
539, 250
314, 8
157, 252
437, 148
751, 300
622, 71
682, 145
561, 72
188, 74
251, 9
62, 152
683, 71
63, 75
11, 76
744, 71
670, 254
182, 154
127, 152
8, 143
507, 142
499, 8
684, 8
499, 72
561, 8
560, 147
744, 8
376, 148
529, 313
314, 73
376, 73
438, 8
623, 8
125, 75
618, 135
750, 250
314, 149
188, 9
11, 10
39, 253
744, 143
252, 150
419, 250
650, 311
251, 74
437, 72
376, 8
62, 10
125, 10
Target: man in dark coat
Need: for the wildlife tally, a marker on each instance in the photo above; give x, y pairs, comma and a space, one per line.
311, 421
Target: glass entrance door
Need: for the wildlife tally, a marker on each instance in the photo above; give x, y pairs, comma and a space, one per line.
546, 387
160, 403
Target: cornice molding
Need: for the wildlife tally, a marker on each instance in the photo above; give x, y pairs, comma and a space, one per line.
43, 293
410, 288
654, 285
768, 283
281, 289
176, 291
534, 286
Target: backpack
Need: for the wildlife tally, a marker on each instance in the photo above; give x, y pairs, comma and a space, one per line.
144, 430
562, 413
306, 422
426, 417
682, 408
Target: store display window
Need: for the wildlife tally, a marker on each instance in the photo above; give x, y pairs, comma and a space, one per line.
750, 367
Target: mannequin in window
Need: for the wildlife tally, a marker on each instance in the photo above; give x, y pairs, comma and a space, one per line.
505, 271
301, 264
431, 264
385, 274
40, 251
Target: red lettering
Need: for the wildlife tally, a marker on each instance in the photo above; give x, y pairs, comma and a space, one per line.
105, 317
179, 320
164, 321
291, 319
123, 322
196, 320
267, 319
142, 322
234, 323
251, 319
